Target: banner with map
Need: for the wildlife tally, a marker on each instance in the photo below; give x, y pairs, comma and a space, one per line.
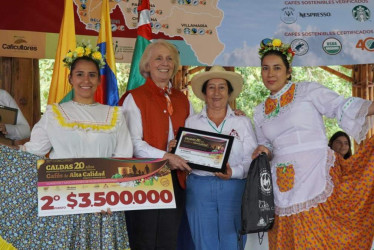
225, 32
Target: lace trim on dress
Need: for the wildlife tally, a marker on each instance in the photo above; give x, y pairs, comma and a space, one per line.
362, 123
277, 104
305, 206
345, 107
106, 126
362, 115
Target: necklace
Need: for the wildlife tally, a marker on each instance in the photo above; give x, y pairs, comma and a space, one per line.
220, 131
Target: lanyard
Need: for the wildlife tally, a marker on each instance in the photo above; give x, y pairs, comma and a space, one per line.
220, 131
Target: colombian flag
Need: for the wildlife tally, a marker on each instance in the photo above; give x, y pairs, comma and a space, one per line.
60, 87
107, 91
142, 40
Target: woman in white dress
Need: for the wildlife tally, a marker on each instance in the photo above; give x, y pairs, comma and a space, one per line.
81, 127
76, 129
322, 201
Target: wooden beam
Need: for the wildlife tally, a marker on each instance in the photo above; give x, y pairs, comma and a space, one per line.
196, 69
337, 73
347, 66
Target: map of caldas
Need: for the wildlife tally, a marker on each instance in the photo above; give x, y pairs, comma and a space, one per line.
196, 24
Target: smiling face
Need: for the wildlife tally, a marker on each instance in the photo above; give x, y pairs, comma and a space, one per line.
217, 94
274, 73
340, 145
160, 65
84, 79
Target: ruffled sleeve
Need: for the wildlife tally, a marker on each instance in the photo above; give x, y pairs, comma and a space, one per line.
350, 113
354, 118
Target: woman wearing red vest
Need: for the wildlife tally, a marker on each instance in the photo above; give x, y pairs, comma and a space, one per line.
154, 113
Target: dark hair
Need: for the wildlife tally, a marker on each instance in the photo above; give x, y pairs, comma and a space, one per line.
229, 86
282, 56
84, 58
338, 134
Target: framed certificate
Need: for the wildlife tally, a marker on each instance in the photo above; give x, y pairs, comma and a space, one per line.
8, 115
203, 150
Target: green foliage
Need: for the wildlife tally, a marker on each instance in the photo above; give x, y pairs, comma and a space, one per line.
254, 92
46, 70
123, 72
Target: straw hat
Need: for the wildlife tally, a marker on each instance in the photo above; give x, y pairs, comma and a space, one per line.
217, 72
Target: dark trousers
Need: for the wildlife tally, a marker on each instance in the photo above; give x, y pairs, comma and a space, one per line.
156, 228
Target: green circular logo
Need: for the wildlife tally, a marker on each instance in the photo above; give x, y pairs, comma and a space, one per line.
361, 13
332, 46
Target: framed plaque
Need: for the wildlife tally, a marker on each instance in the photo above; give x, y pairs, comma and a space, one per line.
8, 115
203, 150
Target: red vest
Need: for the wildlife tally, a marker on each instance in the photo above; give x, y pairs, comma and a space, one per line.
152, 103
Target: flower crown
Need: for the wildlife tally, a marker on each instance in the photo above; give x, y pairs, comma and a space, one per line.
276, 44
81, 50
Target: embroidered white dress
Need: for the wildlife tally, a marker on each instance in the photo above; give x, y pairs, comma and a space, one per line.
322, 201
291, 124
74, 130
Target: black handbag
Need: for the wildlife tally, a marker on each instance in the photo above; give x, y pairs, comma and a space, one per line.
257, 209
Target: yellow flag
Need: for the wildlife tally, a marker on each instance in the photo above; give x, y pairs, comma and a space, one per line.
60, 86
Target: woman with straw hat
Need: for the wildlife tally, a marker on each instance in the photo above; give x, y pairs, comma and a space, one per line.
214, 199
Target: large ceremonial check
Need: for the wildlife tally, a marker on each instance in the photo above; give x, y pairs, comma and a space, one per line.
203, 150
87, 185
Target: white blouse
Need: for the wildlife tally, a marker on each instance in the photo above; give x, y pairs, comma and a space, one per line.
74, 130
291, 124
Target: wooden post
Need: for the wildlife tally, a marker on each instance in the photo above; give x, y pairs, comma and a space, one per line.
363, 87
20, 78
